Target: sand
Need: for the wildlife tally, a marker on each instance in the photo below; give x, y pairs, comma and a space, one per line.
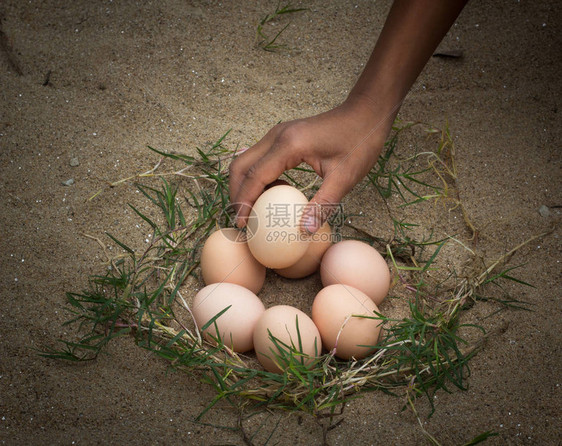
102, 80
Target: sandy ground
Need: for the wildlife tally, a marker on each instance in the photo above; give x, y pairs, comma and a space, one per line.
175, 74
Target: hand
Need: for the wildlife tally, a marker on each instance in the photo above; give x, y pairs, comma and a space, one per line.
341, 145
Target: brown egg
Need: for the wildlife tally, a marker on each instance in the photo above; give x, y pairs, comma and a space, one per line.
273, 231
235, 327
359, 265
310, 261
227, 258
281, 321
335, 310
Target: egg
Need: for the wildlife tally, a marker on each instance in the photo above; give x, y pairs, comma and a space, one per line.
310, 261
359, 265
273, 231
235, 326
226, 258
335, 310
281, 322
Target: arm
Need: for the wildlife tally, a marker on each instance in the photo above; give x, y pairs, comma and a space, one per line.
343, 144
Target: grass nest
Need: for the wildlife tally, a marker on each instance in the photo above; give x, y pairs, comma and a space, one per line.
146, 292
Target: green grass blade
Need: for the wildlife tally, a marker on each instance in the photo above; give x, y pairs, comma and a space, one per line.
125, 247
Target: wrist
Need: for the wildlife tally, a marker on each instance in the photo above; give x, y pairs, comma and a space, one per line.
377, 114
374, 104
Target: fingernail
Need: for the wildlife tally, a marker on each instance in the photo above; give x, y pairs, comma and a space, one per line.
239, 222
242, 150
311, 223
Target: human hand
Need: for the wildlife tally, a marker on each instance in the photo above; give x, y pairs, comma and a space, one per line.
341, 145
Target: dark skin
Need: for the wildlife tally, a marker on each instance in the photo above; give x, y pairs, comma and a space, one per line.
343, 144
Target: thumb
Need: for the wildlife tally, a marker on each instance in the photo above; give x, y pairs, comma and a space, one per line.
324, 204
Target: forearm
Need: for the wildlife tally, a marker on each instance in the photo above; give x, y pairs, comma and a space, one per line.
412, 31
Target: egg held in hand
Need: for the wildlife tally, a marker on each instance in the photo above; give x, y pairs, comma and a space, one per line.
337, 311
273, 233
359, 265
226, 258
284, 333
310, 261
241, 310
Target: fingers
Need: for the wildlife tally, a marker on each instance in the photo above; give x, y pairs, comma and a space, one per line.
324, 203
266, 170
243, 161
255, 169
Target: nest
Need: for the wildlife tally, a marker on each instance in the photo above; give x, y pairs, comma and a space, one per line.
147, 293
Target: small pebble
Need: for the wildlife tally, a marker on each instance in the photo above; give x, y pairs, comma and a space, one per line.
74, 162
544, 211
69, 182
